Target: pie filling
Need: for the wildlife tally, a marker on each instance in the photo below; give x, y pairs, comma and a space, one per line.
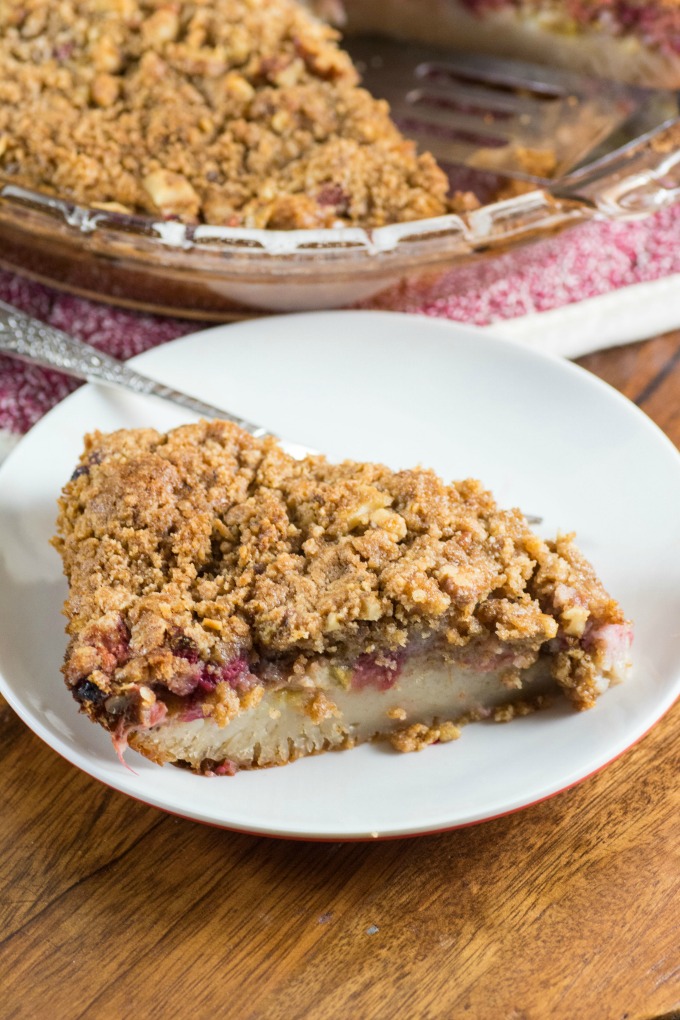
241, 716
232, 608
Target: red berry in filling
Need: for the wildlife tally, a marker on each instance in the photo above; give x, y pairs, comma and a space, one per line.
369, 673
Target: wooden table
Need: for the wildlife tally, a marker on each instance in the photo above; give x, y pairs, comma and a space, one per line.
568, 910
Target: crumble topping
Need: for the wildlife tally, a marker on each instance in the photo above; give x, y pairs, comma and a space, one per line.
206, 566
418, 736
233, 112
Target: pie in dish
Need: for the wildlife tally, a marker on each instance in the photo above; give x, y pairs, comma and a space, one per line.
247, 113
231, 607
632, 40
240, 113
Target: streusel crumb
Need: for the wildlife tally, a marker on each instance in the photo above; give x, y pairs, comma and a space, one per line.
234, 112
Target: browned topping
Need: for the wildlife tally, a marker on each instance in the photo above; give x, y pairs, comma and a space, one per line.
397, 713
208, 547
233, 112
414, 738
668, 141
222, 704
207, 525
321, 707
418, 736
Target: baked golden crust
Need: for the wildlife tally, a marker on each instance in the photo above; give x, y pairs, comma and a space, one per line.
205, 556
234, 112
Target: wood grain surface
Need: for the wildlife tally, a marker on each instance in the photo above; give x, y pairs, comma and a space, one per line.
568, 910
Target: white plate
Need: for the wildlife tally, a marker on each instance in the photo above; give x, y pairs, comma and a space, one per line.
542, 433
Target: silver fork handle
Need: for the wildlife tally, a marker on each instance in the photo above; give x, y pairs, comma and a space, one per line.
34, 341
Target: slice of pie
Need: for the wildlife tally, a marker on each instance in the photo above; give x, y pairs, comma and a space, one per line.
242, 113
231, 607
633, 40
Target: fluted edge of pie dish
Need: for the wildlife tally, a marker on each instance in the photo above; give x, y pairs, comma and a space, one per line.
207, 271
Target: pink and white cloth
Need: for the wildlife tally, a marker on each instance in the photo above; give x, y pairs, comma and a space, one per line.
597, 285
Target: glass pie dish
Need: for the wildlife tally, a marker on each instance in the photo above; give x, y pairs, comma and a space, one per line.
218, 273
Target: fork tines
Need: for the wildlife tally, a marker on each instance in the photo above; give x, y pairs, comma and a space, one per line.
507, 116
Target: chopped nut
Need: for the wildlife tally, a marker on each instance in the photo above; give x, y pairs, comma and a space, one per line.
161, 27
34, 23
106, 55
360, 514
172, 193
574, 620
105, 89
147, 695
391, 522
239, 87
333, 623
289, 76
369, 607
212, 625
281, 121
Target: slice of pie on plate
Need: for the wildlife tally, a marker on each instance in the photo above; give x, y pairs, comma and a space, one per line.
231, 607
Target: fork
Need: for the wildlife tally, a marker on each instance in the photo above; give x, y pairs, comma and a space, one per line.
24, 337
510, 117
28, 339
